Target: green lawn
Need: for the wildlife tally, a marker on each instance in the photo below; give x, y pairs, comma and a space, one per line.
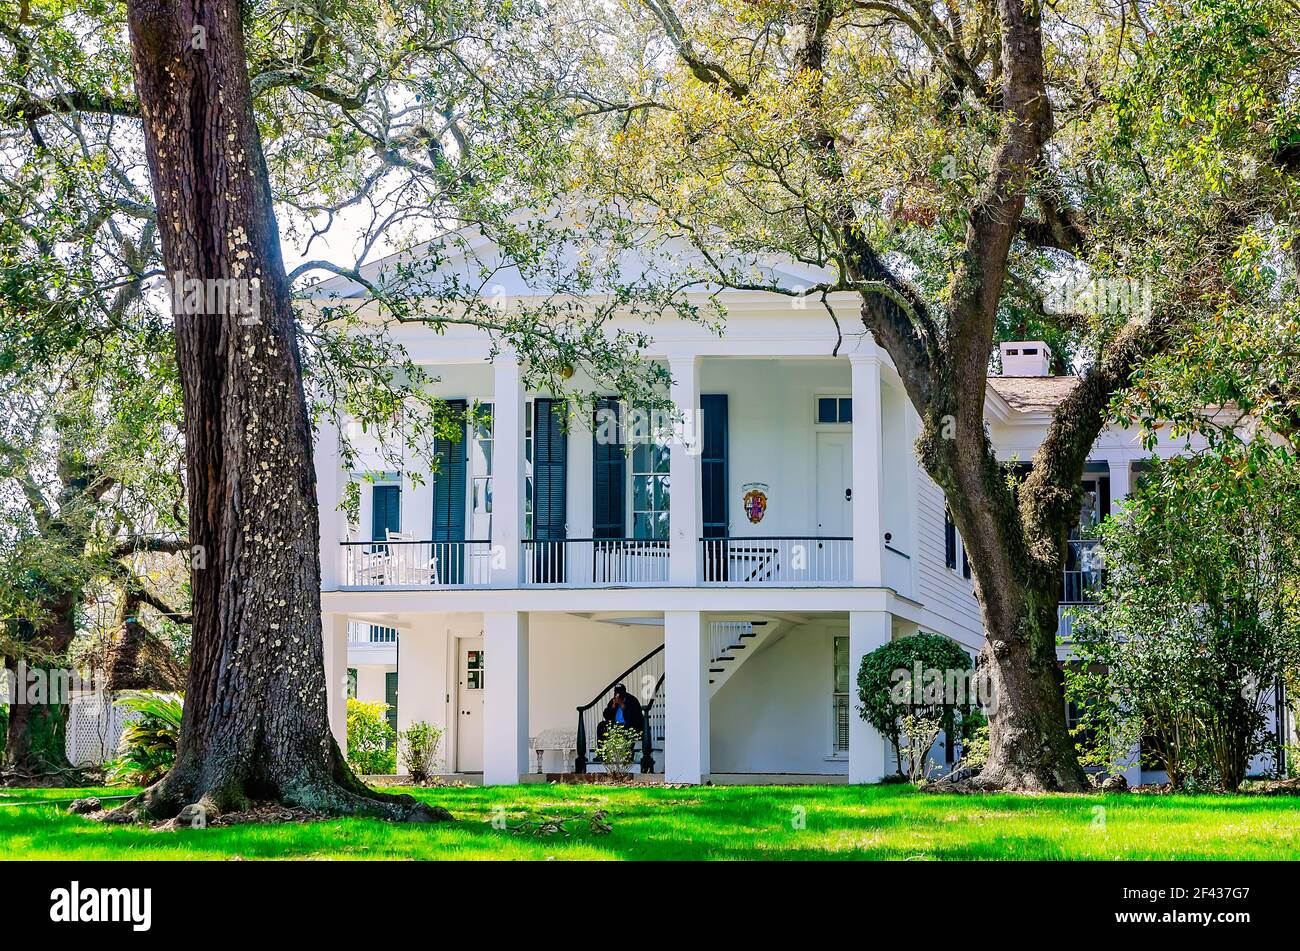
779, 822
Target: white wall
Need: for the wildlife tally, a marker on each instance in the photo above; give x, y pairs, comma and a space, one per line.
772, 436
774, 714
370, 681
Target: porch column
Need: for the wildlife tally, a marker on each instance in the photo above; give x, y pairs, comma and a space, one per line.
867, 466
686, 714
334, 633
1120, 485
505, 698
1128, 762
507, 469
867, 631
422, 677
329, 492
684, 473
580, 500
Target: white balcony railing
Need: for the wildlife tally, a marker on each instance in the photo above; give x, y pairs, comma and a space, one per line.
1084, 572
786, 560
595, 562
417, 564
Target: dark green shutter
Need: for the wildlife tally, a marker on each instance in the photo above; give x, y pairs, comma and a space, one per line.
385, 511
949, 540
713, 483
713, 465
550, 480
390, 696
608, 475
550, 470
449, 499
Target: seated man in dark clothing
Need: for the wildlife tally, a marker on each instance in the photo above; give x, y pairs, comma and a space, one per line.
623, 709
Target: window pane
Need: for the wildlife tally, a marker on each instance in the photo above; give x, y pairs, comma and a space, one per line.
660, 525
641, 525
841, 665
662, 457
826, 409
641, 457
846, 410
640, 493
661, 493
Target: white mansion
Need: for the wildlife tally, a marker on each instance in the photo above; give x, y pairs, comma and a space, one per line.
732, 579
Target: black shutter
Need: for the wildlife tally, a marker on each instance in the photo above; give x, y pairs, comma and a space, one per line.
1104, 504
608, 473
949, 540
713, 484
449, 500
713, 465
385, 511
550, 480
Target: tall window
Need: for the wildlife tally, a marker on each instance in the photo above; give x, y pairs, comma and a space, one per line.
840, 698
480, 462
650, 488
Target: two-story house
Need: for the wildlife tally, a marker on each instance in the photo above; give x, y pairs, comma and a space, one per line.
732, 575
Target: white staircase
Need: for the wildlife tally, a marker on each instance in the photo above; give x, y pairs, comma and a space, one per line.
734, 642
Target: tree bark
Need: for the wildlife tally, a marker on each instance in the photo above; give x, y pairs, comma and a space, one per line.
136, 659
255, 723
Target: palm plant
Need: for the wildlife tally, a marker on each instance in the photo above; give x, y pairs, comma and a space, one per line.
148, 746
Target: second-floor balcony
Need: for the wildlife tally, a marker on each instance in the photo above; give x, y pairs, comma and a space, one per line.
774, 561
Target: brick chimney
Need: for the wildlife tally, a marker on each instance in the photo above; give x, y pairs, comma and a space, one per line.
1025, 358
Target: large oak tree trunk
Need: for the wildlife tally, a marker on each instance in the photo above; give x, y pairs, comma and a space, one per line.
255, 723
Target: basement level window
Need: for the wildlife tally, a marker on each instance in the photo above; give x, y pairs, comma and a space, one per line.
1012, 353
834, 409
1029, 351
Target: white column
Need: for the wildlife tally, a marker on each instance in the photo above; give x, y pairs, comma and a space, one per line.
505, 699
868, 467
417, 502
1120, 485
867, 631
1129, 762
334, 633
684, 472
422, 677
580, 501
329, 492
507, 469
686, 716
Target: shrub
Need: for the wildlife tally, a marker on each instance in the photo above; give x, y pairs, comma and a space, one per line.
371, 740
918, 734
925, 676
1198, 618
148, 746
616, 750
417, 746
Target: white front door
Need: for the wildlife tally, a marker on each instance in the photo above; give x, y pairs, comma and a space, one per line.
469, 705
834, 480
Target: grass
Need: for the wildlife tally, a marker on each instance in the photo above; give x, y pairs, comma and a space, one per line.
754, 822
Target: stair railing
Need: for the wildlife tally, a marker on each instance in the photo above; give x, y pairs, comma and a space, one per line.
645, 681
